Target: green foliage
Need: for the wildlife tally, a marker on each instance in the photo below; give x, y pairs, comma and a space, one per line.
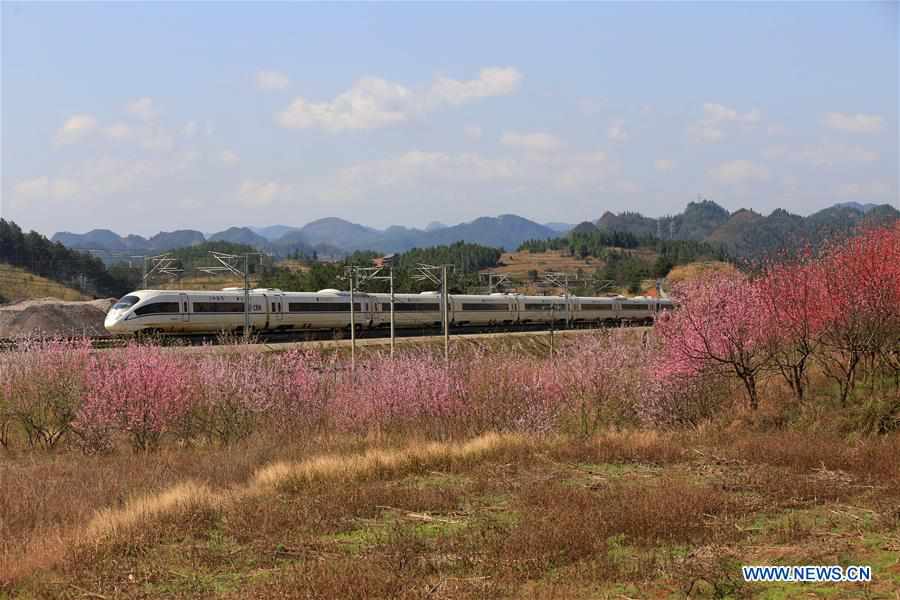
583, 242
627, 269
36, 254
467, 260
199, 253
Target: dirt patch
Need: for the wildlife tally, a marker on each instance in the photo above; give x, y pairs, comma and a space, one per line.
52, 317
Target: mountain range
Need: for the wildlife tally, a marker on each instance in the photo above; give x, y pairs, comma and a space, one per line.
743, 232
328, 237
746, 233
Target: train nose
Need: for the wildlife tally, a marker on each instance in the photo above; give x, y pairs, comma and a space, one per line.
114, 322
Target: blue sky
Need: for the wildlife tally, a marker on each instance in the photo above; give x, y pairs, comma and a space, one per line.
158, 116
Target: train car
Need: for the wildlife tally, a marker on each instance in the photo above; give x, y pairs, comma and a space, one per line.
597, 310
640, 309
410, 310
184, 311
326, 309
543, 309
473, 309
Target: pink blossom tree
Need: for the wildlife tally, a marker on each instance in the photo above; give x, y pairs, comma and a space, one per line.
719, 326
792, 296
143, 392
861, 312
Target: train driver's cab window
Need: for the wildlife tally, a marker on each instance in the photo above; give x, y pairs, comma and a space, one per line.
156, 308
126, 302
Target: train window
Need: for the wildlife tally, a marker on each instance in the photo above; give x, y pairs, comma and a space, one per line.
413, 307
126, 302
634, 307
156, 308
596, 307
547, 307
322, 307
485, 306
218, 307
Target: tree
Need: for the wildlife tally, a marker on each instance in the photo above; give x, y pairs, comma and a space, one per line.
860, 318
792, 295
718, 327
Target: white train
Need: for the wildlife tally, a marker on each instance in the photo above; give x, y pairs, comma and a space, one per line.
271, 310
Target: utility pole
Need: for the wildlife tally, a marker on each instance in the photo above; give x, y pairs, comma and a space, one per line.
358, 276
430, 273
561, 280
351, 274
227, 265
391, 277
164, 264
552, 324
445, 313
494, 280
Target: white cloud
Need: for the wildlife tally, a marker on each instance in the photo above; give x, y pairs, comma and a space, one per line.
664, 164
473, 132
229, 157
822, 155
190, 129
533, 142
118, 131
738, 171
370, 103
272, 81
373, 102
858, 123
257, 194
439, 172
862, 191
491, 81
628, 187
152, 137
44, 188
717, 118
75, 128
142, 108
616, 131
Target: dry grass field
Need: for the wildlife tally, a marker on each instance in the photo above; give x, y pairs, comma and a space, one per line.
639, 514
521, 266
17, 284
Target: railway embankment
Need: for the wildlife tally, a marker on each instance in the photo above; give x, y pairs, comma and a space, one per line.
54, 318
529, 341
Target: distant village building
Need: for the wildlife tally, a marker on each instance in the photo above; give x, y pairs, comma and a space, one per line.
384, 261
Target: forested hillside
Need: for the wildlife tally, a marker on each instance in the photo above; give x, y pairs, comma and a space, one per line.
36, 254
746, 234
466, 260
628, 258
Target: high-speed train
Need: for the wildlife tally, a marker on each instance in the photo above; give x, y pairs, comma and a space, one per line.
271, 310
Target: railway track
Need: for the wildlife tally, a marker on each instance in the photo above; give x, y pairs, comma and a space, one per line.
174, 340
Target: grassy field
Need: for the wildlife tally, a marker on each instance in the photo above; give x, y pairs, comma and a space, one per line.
638, 514
18, 284
518, 265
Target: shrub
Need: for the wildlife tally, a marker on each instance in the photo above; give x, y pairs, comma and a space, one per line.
42, 389
383, 393
598, 378
507, 393
144, 392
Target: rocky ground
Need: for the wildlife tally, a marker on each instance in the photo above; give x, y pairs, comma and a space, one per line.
53, 317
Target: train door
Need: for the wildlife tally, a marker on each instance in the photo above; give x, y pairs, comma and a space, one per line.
184, 306
276, 306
